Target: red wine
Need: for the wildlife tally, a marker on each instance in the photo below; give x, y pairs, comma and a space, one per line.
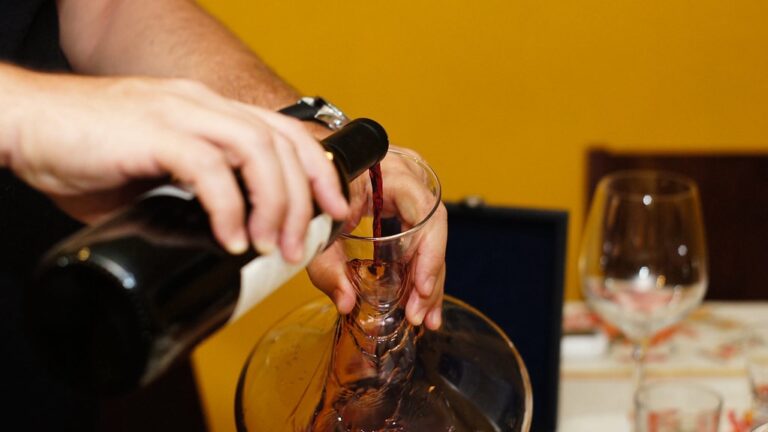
377, 198
115, 304
377, 186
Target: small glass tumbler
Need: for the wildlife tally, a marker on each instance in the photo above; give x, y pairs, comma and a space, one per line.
756, 355
677, 407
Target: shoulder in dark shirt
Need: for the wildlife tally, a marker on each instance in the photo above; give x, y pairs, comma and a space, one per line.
29, 34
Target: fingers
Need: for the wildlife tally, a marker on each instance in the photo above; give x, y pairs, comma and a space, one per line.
420, 306
282, 166
199, 165
299, 202
323, 178
408, 199
405, 193
427, 297
319, 170
430, 256
434, 317
425, 303
126, 130
250, 145
407, 196
328, 273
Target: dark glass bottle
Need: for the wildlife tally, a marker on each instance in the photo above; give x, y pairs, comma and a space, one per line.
115, 304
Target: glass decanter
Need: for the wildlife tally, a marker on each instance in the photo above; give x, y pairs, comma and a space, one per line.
370, 370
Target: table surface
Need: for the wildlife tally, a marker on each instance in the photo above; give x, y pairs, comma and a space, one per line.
596, 375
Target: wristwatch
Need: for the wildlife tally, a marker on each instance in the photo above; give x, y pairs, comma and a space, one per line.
319, 110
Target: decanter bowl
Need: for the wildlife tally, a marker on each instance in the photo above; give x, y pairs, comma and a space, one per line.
467, 376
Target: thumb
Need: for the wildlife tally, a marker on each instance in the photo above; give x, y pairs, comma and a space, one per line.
327, 273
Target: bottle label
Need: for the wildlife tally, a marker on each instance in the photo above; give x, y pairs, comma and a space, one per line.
262, 276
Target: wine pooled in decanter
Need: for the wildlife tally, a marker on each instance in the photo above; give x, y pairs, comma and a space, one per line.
371, 370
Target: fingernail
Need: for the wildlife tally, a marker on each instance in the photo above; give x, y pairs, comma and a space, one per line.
339, 299
237, 246
336, 296
295, 251
344, 207
341, 210
436, 318
413, 304
421, 312
419, 318
265, 247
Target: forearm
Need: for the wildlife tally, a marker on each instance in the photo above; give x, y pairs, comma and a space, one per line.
166, 38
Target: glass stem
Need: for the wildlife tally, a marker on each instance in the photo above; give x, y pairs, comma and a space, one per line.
638, 355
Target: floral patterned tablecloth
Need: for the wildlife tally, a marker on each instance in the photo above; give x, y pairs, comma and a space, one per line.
596, 369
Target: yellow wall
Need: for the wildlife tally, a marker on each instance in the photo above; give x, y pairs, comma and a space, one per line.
503, 96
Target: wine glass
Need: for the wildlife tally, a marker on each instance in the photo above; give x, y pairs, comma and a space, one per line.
643, 260
756, 356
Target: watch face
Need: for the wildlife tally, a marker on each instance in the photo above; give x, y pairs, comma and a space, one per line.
331, 116
317, 109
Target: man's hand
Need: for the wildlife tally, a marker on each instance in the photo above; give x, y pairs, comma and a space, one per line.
406, 196
86, 141
175, 38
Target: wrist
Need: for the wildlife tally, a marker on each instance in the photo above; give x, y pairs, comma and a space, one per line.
28, 98
12, 83
317, 130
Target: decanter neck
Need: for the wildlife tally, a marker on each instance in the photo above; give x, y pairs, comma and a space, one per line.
375, 338
374, 352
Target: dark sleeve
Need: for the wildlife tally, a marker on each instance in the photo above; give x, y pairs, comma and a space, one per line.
29, 34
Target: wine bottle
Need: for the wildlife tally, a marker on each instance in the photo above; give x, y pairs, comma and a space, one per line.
115, 304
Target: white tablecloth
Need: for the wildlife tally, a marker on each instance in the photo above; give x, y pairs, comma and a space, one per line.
596, 391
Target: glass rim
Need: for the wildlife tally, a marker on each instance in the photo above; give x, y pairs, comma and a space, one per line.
438, 197
689, 188
688, 386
